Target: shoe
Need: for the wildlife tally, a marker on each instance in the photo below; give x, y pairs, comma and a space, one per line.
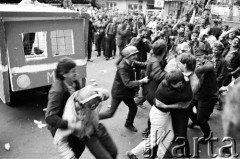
110, 58
146, 132
98, 55
131, 127
107, 59
130, 155
90, 60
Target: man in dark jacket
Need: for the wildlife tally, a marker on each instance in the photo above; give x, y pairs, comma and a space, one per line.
123, 88
144, 47
100, 26
59, 93
206, 97
110, 42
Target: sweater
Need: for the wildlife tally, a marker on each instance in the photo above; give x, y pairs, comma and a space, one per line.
169, 95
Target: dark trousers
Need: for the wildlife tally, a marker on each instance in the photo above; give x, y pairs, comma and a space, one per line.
77, 145
99, 43
101, 144
89, 48
114, 47
204, 110
109, 47
114, 105
180, 123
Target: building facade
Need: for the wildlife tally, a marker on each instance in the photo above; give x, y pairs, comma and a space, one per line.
126, 6
172, 8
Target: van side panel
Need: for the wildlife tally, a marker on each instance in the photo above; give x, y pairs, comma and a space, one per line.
4, 76
28, 72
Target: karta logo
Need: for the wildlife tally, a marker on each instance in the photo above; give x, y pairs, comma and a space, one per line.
180, 150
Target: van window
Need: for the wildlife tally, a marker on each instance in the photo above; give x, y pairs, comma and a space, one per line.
34, 45
62, 42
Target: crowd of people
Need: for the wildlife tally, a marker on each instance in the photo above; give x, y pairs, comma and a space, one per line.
174, 65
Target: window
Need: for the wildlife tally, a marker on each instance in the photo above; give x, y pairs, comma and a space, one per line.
111, 5
34, 45
130, 7
134, 7
62, 42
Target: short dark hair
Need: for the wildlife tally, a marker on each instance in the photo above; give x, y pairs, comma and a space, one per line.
174, 77
159, 47
196, 32
189, 60
65, 64
190, 26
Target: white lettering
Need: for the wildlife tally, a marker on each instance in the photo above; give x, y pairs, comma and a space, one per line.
51, 76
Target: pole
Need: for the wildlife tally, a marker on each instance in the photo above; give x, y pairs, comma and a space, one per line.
231, 10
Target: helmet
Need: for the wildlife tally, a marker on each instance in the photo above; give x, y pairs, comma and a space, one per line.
129, 51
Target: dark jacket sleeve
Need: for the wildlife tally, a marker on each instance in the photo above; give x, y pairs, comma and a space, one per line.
207, 67
157, 72
223, 73
126, 79
147, 45
54, 108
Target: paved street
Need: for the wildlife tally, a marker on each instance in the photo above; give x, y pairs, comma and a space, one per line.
27, 141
